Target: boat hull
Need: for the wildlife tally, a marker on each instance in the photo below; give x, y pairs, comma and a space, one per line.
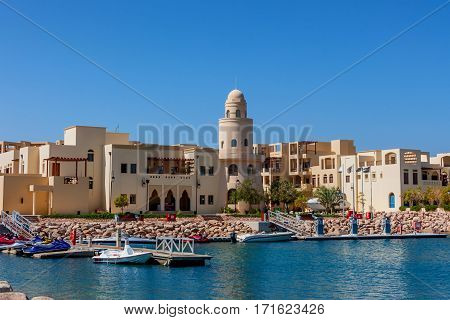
140, 258
269, 237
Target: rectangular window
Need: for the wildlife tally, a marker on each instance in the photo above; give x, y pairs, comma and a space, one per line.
202, 199
123, 168
211, 171
325, 179
210, 199
415, 177
132, 199
347, 179
133, 168
202, 170
405, 177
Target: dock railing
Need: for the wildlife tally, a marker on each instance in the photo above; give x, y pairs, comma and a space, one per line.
17, 224
175, 245
286, 221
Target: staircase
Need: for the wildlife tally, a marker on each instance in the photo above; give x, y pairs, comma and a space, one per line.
17, 224
286, 221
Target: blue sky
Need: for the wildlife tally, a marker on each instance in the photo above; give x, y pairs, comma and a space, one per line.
185, 55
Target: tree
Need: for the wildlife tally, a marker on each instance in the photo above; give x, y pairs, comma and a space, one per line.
414, 196
445, 196
328, 197
121, 201
301, 202
433, 195
287, 193
247, 193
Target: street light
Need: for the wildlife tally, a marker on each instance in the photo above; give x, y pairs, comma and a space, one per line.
235, 195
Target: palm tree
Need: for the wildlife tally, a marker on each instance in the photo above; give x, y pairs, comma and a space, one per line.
247, 193
328, 197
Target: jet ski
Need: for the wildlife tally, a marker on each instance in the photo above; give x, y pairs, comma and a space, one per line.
6, 241
14, 246
200, 238
54, 246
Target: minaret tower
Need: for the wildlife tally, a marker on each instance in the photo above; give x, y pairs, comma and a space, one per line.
236, 143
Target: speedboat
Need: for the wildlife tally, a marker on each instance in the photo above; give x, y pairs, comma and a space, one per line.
127, 255
266, 237
54, 246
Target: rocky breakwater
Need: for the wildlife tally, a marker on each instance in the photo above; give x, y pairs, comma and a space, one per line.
150, 228
431, 222
7, 293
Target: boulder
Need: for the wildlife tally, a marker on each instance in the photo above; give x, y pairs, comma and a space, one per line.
13, 296
42, 298
5, 287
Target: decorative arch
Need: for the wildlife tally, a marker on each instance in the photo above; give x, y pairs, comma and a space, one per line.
233, 143
185, 202
169, 201
228, 113
233, 170
390, 158
238, 113
245, 142
434, 176
325, 178
154, 202
250, 169
391, 200
230, 195
330, 178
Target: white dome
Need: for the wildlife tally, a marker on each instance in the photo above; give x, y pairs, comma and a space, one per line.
235, 95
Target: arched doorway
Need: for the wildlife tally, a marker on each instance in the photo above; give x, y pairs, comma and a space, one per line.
185, 202
154, 202
391, 201
169, 202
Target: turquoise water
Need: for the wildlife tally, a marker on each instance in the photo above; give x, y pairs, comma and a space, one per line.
377, 269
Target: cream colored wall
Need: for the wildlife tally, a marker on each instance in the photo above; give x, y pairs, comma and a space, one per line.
14, 188
7, 161
69, 198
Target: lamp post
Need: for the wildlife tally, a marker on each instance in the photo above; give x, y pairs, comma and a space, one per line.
110, 192
235, 195
111, 179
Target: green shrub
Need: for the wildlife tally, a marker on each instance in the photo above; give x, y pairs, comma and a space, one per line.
402, 208
431, 207
416, 208
446, 207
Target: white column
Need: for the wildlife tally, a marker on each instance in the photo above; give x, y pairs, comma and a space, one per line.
177, 199
162, 198
34, 203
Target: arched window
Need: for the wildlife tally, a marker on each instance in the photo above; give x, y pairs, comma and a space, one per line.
234, 143
391, 201
221, 145
331, 178
90, 155
250, 169
435, 176
238, 113
91, 183
232, 170
325, 178
245, 142
228, 113
390, 158
231, 194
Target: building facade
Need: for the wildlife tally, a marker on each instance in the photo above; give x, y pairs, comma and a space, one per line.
91, 167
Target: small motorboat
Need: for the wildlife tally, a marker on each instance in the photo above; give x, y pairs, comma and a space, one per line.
200, 239
127, 255
54, 246
266, 237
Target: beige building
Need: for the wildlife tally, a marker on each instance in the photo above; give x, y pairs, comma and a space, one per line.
91, 167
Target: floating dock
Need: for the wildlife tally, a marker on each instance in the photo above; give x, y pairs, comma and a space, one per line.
375, 237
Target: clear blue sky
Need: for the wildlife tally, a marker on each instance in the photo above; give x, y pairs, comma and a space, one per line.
185, 56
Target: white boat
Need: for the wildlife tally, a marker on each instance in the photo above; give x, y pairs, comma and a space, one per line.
266, 237
127, 255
